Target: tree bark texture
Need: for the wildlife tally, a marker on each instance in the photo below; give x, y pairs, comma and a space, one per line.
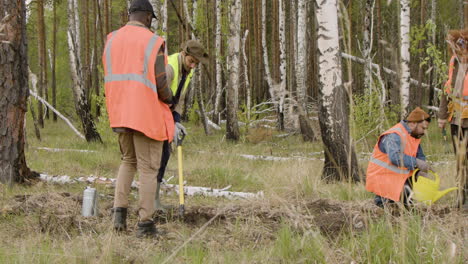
232, 126
41, 41
81, 101
13, 92
340, 158
301, 72
404, 56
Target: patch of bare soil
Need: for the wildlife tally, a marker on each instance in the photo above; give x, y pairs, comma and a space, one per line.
60, 214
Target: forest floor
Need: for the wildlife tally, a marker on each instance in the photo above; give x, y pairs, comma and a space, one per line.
300, 219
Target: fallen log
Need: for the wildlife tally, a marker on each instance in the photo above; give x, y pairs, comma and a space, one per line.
188, 190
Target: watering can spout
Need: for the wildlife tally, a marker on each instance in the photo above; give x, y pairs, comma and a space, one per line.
440, 194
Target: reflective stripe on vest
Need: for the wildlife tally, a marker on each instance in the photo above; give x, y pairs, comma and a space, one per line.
389, 166
141, 78
173, 60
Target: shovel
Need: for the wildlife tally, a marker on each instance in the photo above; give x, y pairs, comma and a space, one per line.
181, 176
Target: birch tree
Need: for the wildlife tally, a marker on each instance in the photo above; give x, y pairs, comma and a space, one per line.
404, 56
232, 126
81, 101
340, 158
219, 69
282, 64
13, 92
301, 72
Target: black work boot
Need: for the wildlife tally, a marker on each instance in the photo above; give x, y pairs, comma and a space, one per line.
146, 229
120, 218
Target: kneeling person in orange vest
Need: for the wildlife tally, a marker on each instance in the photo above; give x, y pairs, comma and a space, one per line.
179, 74
396, 155
138, 102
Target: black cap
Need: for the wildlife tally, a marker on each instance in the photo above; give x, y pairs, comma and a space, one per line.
141, 5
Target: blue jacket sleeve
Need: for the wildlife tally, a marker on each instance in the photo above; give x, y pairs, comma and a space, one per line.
176, 116
391, 145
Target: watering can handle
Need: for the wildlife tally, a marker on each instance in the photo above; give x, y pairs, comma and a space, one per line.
436, 176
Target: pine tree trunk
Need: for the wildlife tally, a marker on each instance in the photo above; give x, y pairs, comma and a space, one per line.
81, 102
301, 73
41, 58
340, 157
232, 126
465, 13
54, 60
404, 56
14, 93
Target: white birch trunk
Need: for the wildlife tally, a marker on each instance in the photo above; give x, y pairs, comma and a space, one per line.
246, 74
301, 57
340, 158
232, 127
219, 69
188, 16
81, 101
282, 35
164, 18
367, 45
155, 24
404, 56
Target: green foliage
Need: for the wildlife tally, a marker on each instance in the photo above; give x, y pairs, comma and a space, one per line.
366, 116
292, 247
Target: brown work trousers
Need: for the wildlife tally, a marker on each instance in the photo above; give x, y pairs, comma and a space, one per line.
141, 153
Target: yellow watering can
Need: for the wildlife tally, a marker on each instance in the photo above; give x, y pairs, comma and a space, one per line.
427, 190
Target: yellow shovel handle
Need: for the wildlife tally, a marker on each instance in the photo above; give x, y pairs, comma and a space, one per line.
181, 177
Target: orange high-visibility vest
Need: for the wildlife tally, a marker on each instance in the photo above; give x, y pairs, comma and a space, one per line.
383, 177
458, 103
131, 95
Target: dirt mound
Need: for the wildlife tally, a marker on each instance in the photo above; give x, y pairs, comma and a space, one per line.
60, 213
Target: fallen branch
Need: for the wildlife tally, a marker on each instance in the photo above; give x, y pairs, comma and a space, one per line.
188, 190
60, 150
57, 112
387, 70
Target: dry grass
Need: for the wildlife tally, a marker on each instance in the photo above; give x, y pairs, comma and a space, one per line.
300, 219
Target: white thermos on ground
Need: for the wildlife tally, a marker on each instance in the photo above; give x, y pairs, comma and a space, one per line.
89, 202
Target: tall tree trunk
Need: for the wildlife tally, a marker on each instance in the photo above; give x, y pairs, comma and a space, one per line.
81, 102
54, 59
367, 45
420, 92
96, 80
246, 75
13, 92
164, 18
232, 126
340, 157
33, 80
282, 62
432, 76
219, 69
404, 56
85, 67
301, 72
41, 40
197, 87
156, 23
